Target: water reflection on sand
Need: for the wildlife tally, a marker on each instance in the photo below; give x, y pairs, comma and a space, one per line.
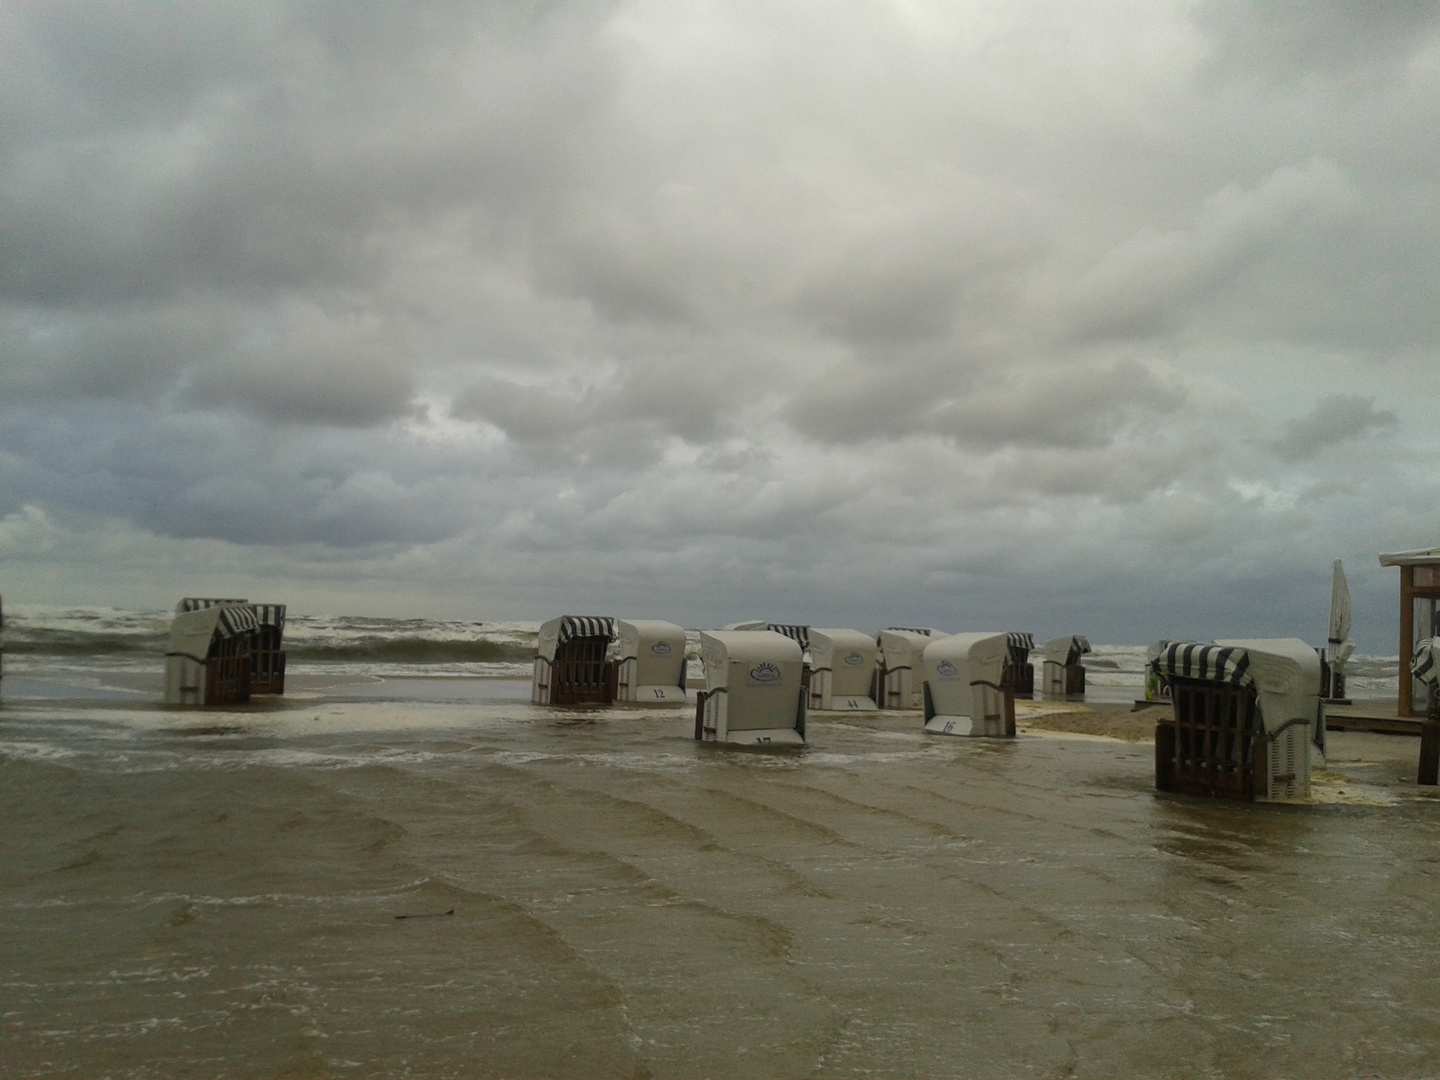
215, 893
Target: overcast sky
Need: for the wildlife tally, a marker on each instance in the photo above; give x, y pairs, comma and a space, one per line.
1110, 317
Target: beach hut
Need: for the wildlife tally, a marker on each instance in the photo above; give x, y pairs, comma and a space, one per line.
267, 652
1064, 673
842, 669
651, 661
209, 658
1246, 718
1419, 616
573, 665
753, 691
898, 677
969, 683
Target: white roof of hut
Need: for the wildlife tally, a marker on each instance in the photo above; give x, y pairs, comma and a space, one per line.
1423, 557
191, 632
1284, 671
1066, 650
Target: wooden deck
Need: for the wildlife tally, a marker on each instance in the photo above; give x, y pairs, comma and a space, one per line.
1377, 714
1381, 715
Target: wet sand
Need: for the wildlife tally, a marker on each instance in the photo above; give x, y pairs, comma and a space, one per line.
1113, 720
215, 894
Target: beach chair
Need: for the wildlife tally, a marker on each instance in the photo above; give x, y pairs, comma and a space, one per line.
842, 670
208, 662
753, 690
898, 675
650, 655
572, 662
1246, 718
970, 682
1064, 673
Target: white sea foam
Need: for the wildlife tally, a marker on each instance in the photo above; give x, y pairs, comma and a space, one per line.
98, 649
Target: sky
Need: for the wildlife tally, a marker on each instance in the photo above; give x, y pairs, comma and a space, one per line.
1115, 317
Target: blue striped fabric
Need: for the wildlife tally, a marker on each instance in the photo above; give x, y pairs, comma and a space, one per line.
799, 634
235, 620
200, 603
1205, 661
270, 615
1020, 646
578, 626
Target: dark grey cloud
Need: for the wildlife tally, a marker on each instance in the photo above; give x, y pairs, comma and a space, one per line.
1335, 419
315, 368
262, 147
727, 303
118, 353
1293, 38
218, 476
1073, 406
1154, 282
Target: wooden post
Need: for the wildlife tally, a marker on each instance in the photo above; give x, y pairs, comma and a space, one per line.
1165, 756
1430, 741
1407, 638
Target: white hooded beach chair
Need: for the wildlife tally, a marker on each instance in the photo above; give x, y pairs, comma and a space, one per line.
1247, 721
209, 658
267, 652
899, 676
1064, 673
969, 686
573, 665
753, 691
842, 669
651, 659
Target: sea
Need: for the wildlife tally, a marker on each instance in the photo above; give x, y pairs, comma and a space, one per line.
401, 868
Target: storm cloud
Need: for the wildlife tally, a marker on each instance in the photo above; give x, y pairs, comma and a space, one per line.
1065, 317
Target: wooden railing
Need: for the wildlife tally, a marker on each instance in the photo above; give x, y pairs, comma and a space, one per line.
227, 672
1208, 747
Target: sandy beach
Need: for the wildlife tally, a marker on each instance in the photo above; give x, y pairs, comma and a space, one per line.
216, 892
